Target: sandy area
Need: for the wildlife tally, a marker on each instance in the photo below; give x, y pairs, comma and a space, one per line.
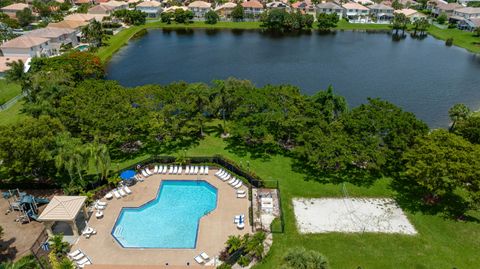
350, 215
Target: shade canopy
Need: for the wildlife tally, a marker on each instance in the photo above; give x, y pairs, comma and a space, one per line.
63, 208
127, 174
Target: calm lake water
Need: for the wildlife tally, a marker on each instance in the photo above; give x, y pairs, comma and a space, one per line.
422, 76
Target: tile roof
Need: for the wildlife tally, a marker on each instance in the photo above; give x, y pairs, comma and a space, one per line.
68, 24
469, 10
149, 4
353, 5
63, 208
228, 5
16, 6
24, 42
200, 4
50, 32
9, 59
330, 5
252, 4
380, 6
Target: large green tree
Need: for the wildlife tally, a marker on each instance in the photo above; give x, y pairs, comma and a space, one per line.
458, 112
238, 13
326, 22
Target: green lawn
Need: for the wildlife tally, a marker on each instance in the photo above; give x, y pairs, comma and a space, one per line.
461, 38
440, 243
12, 115
345, 25
8, 90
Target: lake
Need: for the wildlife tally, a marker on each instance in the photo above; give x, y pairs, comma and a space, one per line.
422, 76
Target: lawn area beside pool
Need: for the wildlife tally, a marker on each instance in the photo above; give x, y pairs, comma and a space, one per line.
440, 242
213, 229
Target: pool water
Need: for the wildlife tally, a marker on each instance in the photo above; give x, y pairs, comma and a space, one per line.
169, 221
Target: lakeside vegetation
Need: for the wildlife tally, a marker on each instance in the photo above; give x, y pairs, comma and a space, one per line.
77, 128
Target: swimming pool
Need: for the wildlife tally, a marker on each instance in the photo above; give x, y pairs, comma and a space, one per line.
169, 221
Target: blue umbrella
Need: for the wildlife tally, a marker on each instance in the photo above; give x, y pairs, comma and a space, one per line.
127, 175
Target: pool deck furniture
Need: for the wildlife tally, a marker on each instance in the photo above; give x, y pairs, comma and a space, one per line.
99, 214
213, 229
199, 259
127, 190
109, 196
116, 193
122, 192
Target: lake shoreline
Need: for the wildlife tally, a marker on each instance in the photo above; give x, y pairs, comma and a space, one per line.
460, 38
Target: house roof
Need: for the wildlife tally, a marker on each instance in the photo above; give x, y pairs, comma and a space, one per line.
448, 6
200, 4
84, 17
114, 3
149, 4
62, 208
173, 8
228, 5
380, 6
364, 2
353, 5
24, 42
475, 22
101, 8
50, 32
469, 10
252, 4
330, 5
9, 59
68, 24
408, 12
276, 4
16, 6
82, 1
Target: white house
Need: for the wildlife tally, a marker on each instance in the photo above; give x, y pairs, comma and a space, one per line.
151, 8
225, 10
356, 13
11, 10
467, 12
252, 8
469, 24
382, 13
329, 8
199, 8
57, 37
26, 46
412, 14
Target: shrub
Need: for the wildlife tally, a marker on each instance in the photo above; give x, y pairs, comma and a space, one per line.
244, 261
211, 17
224, 266
449, 42
299, 258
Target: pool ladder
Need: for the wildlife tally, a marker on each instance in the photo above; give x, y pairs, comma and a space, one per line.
118, 232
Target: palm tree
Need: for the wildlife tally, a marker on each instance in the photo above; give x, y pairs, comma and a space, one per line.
93, 33
59, 246
331, 105
27, 262
15, 73
100, 156
458, 112
300, 258
234, 243
254, 245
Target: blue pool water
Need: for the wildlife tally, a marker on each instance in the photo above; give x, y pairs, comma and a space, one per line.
169, 221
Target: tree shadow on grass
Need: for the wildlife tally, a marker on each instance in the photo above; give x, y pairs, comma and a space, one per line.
414, 198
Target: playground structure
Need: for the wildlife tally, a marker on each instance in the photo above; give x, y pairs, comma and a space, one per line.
25, 204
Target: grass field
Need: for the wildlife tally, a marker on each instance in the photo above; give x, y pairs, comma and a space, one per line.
441, 243
12, 115
461, 38
8, 90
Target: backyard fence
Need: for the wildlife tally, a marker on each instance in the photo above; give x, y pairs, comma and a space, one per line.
11, 102
38, 249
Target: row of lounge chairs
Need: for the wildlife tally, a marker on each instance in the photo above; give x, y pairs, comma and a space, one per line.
121, 191
233, 181
79, 258
172, 170
202, 258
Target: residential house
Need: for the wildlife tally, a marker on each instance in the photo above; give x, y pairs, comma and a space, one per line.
81, 2
57, 37
278, 5
26, 46
381, 13
469, 24
329, 8
467, 12
199, 8
101, 9
411, 14
116, 5
356, 13
84, 17
252, 8
77, 25
11, 10
438, 7
225, 10
305, 7
151, 8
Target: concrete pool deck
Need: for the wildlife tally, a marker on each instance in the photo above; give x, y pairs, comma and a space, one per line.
213, 230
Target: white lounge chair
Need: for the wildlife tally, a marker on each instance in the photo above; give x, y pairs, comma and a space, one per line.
148, 171
122, 193
234, 183
99, 207
206, 170
199, 259
175, 169
170, 170
241, 225
187, 170
83, 264
226, 177
238, 185
195, 170
83, 261
155, 170
116, 194
204, 256
144, 173
100, 203
164, 169
241, 195
74, 253
219, 172
223, 173
241, 191
127, 190
201, 170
